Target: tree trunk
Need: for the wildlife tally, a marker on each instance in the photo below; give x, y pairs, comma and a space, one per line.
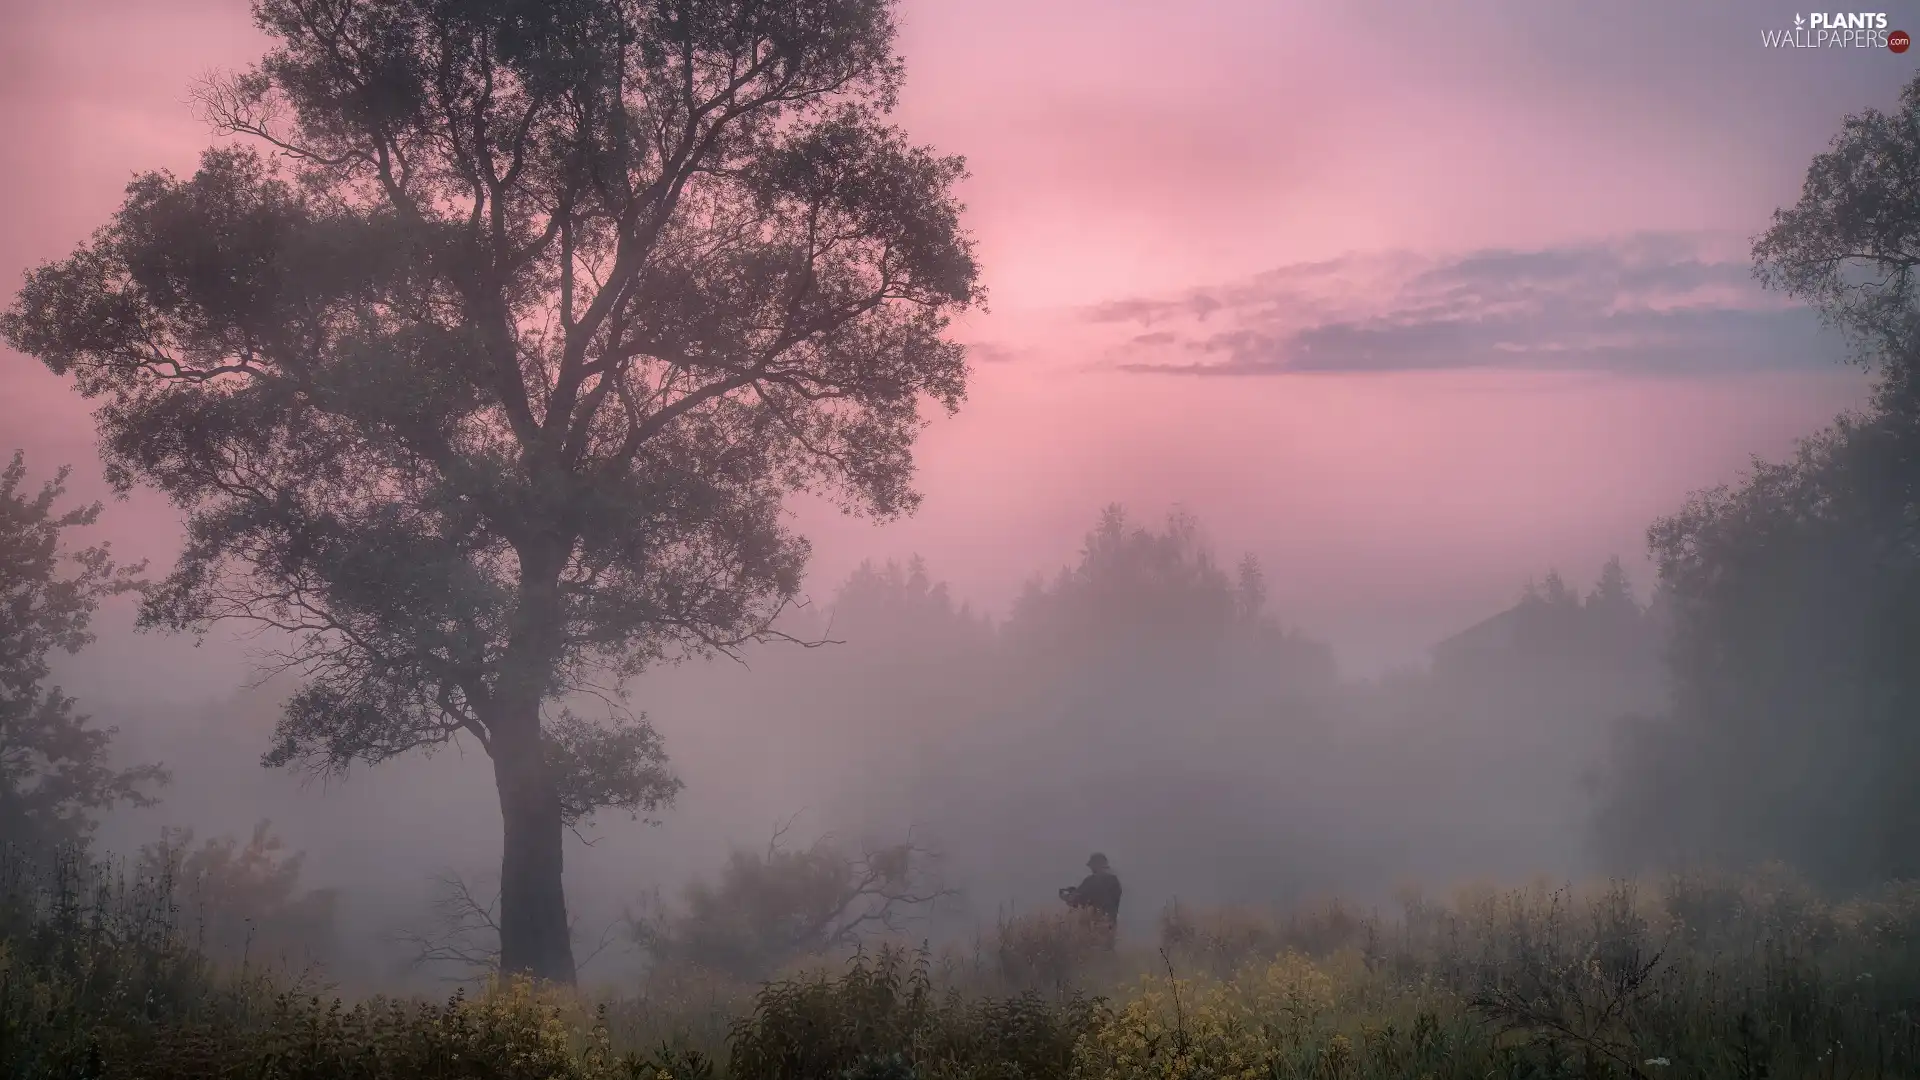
534, 935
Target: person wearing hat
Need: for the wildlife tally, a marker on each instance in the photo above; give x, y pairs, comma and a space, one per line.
1099, 894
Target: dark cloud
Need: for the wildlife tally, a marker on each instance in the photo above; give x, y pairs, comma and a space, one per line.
1198, 305
1643, 305
987, 352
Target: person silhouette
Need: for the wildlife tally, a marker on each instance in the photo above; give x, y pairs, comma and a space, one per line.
1099, 894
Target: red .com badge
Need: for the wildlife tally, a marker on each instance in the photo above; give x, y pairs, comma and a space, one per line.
1899, 41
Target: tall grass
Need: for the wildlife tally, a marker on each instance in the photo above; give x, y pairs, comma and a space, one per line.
1698, 976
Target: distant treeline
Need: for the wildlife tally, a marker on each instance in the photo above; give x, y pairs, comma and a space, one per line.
1148, 701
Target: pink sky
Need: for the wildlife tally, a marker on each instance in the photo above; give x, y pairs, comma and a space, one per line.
1150, 184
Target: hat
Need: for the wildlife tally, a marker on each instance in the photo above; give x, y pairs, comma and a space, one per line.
1096, 861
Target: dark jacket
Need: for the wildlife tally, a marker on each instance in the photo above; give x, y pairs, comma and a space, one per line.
1101, 892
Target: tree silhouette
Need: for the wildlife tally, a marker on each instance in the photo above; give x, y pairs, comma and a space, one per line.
54, 773
1850, 245
1791, 599
485, 371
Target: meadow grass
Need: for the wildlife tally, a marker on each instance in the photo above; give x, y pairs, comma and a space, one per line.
1698, 975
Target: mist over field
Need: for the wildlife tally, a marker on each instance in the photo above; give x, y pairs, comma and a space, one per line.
1493, 475
1144, 706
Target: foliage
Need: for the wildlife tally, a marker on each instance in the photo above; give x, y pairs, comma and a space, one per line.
1088, 710
1851, 244
1569, 994
1796, 618
1795, 593
1703, 976
87, 957
97, 979
1218, 940
771, 907
55, 776
243, 904
884, 1018
1050, 951
1177, 1028
1138, 593
484, 359
1080, 709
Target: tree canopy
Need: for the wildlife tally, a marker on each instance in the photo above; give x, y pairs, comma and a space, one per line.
1795, 619
1795, 593
483, 358
1850, 245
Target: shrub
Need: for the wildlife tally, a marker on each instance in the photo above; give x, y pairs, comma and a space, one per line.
883, 1018
1220, 940
97, 982
1049, 951
242, 904
769, 908
1270, 1019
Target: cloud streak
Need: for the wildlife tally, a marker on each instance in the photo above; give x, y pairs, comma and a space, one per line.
1648, 305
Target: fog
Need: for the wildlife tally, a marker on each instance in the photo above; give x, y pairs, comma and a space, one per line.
1141, 698
1259, 635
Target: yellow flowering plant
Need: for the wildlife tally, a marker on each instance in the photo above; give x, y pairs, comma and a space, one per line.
1172, 1028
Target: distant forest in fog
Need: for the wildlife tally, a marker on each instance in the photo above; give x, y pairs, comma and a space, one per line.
1144, 700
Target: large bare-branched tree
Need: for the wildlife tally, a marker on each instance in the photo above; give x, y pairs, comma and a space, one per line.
485, 353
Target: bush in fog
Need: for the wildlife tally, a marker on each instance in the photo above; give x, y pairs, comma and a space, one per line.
1049, 951
1171, 1027
771, 906
100, 979
884, 1018
1219, 938
88, 953
1705, 975
243, 902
